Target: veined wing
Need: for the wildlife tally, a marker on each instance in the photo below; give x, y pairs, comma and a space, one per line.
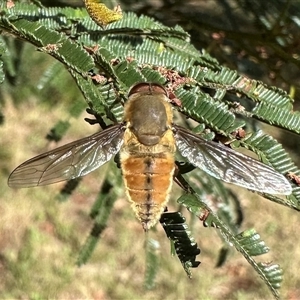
69, 161
229, 165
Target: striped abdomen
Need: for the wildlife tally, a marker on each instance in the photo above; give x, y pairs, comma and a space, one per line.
148, 180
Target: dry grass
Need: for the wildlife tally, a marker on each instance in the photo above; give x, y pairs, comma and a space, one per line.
40, 237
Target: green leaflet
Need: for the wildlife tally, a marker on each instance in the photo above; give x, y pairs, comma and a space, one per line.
133, 24
223, 76
51, 17
201, 107
281, 117
90, 92
52, 43
252, 243
115, 108
128, 73
272, 153
152, 75
260, 92
273, 273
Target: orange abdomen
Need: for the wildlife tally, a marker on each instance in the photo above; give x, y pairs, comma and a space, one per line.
148, 180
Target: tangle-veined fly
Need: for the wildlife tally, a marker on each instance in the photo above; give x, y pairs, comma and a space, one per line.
147, 141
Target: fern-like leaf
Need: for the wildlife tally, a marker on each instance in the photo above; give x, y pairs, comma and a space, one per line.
248, 243
185, 246
272, 153
276, 115
201, 107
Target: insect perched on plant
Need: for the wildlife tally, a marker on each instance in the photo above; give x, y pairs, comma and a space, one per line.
147, 140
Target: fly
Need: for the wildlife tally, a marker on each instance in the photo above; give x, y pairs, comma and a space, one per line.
147, 141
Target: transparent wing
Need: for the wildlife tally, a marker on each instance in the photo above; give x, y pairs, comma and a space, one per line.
69, 161
229, 165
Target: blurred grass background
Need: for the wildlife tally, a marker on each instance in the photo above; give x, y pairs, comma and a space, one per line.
40, 237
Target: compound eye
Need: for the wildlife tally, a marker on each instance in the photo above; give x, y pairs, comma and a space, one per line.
147, 88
